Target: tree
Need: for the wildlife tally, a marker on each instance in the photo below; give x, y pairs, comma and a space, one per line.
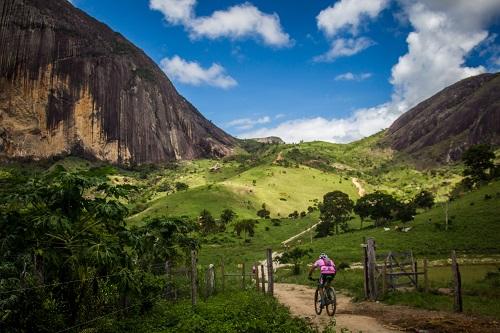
362, 208
424, 199
294, 257
207, 222
263, 213
336, 209
405, 212
378, 206
479, 163
179, 186
245, 226
227, 216
294, 215
303, 214
63, 227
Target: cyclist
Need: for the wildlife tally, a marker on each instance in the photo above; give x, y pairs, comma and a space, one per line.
327, 270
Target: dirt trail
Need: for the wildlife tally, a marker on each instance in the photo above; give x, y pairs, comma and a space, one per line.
300, 301
361, 190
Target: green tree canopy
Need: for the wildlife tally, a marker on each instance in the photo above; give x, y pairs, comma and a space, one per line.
424, 199
377, 205
335, 211
479, 163
263, 213
226, 217
246, 226
207, 222
294, 256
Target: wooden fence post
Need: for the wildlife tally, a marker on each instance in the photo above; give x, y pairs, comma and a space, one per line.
210, 280
415, 271
458, 305
256, 273
426, 277
263, 278
372, 263
243, 276
365, 268
384, 278
270, 282
193, 278
222, 274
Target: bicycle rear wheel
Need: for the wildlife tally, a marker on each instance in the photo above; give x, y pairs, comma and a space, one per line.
317, 302
331, 303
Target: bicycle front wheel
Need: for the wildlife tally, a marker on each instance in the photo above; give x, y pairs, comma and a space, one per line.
331, 303
317, 302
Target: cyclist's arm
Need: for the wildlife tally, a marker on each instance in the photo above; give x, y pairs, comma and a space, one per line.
313, 267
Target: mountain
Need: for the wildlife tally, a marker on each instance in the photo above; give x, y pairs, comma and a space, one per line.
71, 85
440, 128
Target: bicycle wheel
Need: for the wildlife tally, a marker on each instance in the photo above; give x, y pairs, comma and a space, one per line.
331, 303
317, 302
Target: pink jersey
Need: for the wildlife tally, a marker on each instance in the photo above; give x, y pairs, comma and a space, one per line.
327, 266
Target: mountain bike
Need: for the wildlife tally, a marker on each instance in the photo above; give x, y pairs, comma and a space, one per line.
329, 301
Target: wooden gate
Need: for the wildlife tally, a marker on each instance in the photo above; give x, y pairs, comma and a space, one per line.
392, 270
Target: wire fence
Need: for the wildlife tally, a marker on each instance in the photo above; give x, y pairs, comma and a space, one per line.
176, 282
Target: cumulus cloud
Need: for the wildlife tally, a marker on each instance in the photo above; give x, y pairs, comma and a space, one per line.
344, 47
248, 123
444, 33
236, 22
175, 11
436, 51
192, 73
348, 14
360, 124
348, 76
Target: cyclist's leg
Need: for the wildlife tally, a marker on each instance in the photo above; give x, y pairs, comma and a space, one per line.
322, 288
328, 280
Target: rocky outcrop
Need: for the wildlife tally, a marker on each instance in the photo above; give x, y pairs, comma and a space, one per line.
440, 128
69, 84
270, 140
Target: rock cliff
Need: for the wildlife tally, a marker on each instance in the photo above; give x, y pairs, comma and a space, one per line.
69, 84
440, 128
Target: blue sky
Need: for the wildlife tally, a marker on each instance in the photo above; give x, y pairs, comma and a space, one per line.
309, 70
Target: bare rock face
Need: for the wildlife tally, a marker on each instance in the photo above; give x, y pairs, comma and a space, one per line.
69, 84
440, 128
270, 140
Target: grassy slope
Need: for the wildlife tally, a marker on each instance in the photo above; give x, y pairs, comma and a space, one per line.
475, 228
282, 189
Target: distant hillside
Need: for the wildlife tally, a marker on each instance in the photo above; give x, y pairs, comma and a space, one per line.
440, 128
71, 85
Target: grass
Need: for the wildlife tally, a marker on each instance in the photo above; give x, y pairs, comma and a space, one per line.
474, 229
283, 190
227, 312
268, 234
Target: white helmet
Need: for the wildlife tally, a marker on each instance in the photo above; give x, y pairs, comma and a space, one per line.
323, 256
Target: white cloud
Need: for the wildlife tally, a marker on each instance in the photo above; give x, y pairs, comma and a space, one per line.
345, 47
348, 14
348, 76
190, 72
444, 33
175, 11
248, 123
437, 48
362, 123
237, 22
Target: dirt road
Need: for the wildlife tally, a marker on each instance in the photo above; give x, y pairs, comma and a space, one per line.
377, 317
300, 301
361, 190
